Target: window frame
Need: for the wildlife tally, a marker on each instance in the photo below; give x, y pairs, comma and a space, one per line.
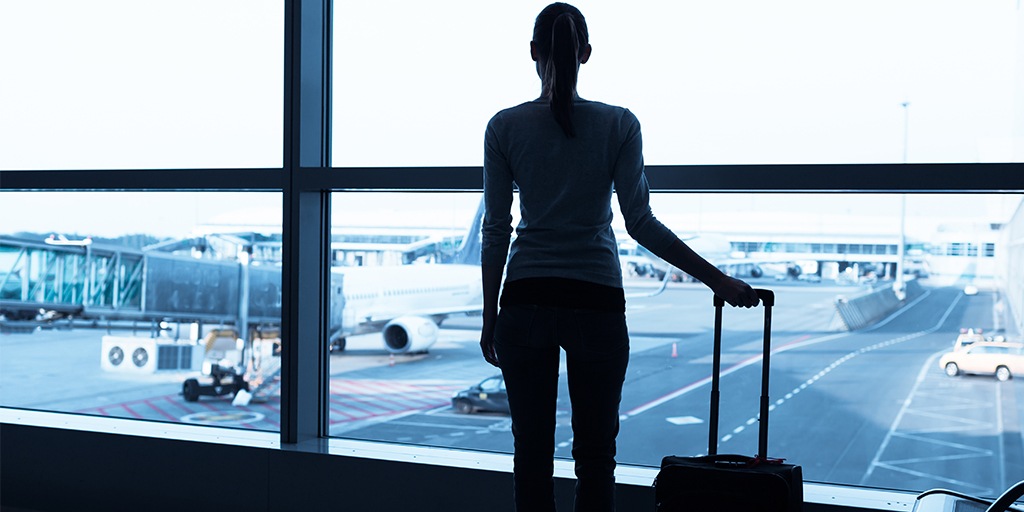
307, 179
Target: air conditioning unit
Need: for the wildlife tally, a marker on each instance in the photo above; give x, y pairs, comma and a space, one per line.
125, 354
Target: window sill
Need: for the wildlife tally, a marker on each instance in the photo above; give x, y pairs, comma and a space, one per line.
816, 493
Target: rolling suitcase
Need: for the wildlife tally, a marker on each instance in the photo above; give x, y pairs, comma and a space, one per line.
731, 482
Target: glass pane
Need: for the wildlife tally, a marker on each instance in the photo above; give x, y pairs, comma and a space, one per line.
858, 394
743, 82
110, 84
154, 306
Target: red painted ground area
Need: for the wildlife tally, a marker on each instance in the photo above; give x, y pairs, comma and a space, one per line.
350, 400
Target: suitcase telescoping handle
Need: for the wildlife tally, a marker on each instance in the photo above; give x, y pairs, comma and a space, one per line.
767, 298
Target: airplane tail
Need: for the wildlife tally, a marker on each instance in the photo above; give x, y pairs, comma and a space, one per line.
468, 252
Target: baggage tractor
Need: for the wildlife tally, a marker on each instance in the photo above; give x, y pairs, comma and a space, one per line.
731, 482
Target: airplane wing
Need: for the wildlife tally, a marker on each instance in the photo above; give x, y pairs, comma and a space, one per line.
664, 284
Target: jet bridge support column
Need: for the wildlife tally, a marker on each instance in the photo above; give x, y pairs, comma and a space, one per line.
243, 305
26, 276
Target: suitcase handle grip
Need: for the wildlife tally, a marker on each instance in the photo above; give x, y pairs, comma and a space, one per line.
767, 298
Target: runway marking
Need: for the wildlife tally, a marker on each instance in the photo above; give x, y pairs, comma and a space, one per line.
966, 425
159, 410
855, 353
706, 380
1000, 430
130, 411
684, 420
355, 400
969, 422
940, 442
981, 490
938, 458
434, 425
795, 344
645, 309
819, 375
902, 310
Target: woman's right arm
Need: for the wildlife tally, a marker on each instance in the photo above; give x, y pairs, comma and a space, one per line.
730, 289
634, 201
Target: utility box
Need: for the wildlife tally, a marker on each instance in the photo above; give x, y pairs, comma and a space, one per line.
129, 354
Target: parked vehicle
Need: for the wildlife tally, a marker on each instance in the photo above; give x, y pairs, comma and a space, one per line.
1004, 360
488, 395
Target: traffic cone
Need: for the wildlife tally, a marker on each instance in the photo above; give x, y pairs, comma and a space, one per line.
391, 359
674, 353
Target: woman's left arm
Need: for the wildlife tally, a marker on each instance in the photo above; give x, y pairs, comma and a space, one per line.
491, 278
496, 231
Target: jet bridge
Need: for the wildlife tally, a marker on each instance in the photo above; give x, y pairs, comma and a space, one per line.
86, 281
64, 283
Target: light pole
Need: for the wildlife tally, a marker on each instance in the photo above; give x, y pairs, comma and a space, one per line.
898, 286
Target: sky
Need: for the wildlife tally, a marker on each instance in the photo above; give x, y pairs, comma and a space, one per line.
198, 83
724, 82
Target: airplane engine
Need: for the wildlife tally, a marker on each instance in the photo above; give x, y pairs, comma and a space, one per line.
408, 334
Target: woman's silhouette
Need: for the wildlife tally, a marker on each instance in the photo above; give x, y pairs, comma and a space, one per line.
563, 284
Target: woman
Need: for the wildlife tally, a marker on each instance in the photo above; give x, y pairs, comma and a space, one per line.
563, 284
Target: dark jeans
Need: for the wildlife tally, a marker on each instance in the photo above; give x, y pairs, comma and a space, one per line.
527, 341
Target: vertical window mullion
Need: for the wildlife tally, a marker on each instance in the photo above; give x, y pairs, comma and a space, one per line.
306, 222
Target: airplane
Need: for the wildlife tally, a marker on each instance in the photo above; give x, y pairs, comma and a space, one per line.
63, 240
713, 247
407, 303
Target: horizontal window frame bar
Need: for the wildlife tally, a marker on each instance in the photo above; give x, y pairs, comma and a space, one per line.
825, 178
249, 179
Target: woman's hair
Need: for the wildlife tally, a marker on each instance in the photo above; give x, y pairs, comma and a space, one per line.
560, 35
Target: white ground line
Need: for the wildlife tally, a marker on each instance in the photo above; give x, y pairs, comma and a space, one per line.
906, 403
940, 442
820, 374
901, 310
899, 417
838, 362
938, 458
981, 490
752, 360
966, 421
999, 434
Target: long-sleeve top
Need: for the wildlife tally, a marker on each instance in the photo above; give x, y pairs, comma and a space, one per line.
565, 187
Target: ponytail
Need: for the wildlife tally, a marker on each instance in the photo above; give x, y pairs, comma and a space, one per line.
560, 34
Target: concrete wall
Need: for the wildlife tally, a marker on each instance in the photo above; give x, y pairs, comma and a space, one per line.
862, 311
1010, 273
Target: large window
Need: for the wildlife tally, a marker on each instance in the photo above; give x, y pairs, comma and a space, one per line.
122, 91
166, 314
859, 394
110, 84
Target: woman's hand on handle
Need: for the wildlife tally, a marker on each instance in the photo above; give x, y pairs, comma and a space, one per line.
735, 292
